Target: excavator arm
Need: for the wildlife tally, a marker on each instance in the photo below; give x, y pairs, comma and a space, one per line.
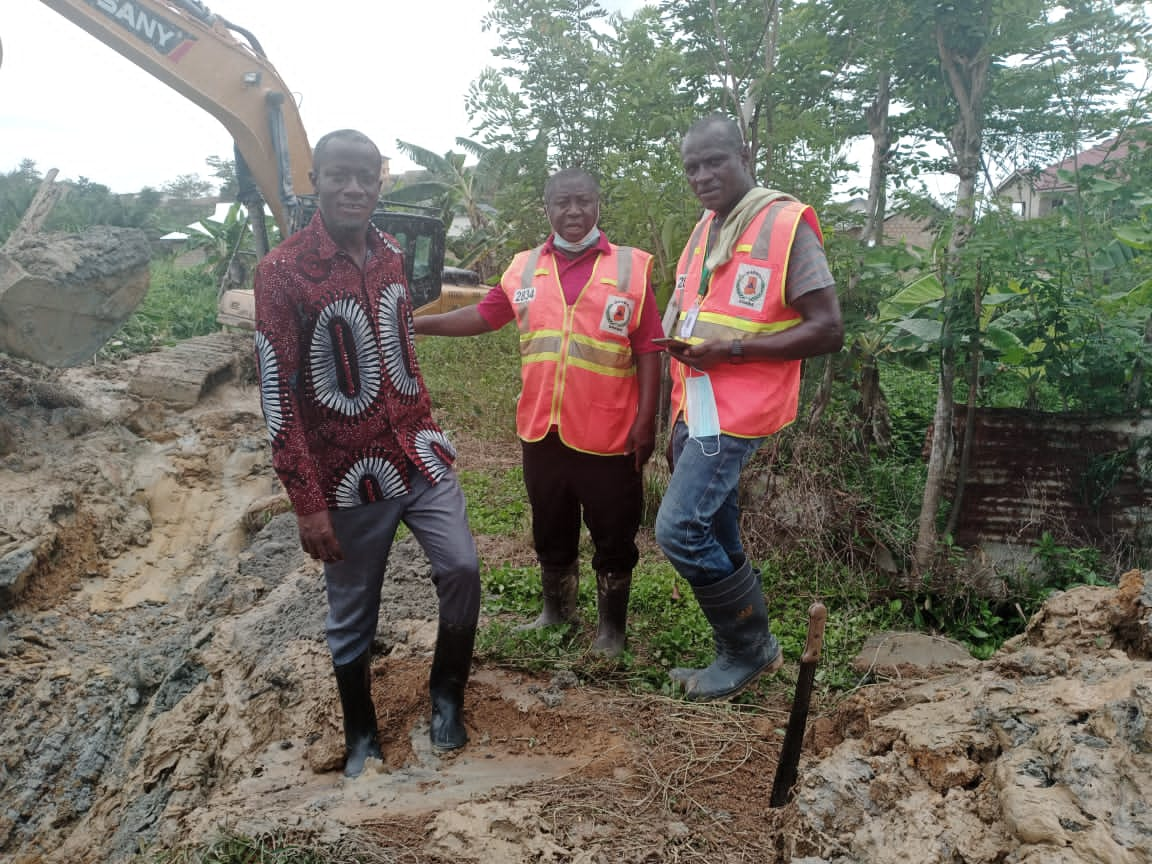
222, 68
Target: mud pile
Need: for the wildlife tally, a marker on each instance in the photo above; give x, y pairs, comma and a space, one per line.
62, 296
1044, 752
163, 677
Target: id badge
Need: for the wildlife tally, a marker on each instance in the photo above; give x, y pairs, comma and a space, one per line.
689, 322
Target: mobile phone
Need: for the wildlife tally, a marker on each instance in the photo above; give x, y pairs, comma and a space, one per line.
670, 342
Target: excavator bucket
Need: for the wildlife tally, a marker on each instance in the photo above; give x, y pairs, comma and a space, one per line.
62, 296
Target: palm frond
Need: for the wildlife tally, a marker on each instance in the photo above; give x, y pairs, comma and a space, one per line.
423, 157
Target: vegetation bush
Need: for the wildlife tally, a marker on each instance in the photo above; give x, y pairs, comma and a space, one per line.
180, 304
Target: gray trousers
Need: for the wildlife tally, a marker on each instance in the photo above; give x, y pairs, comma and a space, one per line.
435, 515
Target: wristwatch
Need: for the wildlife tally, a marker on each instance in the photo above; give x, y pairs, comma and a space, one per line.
736, 351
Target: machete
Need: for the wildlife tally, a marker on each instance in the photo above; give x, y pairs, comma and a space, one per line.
798, 718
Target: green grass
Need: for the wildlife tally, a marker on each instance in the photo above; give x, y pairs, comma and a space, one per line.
474, 382
496, 501
665, 630
180, 304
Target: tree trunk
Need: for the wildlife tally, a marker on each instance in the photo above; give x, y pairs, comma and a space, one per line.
938, 458
823, 392
46, 197
876, 116
968, 79
974, 359
1137, 382
875, 425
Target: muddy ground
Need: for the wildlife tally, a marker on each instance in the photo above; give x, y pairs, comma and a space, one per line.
164, 678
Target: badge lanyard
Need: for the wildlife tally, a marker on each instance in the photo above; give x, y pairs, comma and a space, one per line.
689, 322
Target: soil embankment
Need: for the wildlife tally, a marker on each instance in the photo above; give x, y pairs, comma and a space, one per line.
163, 676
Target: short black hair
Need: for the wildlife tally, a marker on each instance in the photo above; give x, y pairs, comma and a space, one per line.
343, 135
573, 173
732, 135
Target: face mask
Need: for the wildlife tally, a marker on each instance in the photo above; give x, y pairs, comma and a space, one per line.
587, 242
703, 418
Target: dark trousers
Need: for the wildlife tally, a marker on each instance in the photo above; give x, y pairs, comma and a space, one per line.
435, 516
561, 483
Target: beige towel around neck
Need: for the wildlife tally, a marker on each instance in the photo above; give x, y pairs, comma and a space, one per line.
755, 200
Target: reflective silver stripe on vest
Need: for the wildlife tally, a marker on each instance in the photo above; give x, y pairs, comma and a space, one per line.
694, 241
624, 268
541, 345
590, 354
760, 247
530, 267
735, 328
526, 276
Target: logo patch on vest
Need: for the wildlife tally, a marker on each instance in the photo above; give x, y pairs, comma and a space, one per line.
751, 287
524, 295
617, 315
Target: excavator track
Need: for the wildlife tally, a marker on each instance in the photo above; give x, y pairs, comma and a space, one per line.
182, 375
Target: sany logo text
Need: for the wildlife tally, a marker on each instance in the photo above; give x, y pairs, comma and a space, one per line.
162, 35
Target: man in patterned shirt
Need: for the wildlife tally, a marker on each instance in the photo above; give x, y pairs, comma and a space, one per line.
353, 439
753, 298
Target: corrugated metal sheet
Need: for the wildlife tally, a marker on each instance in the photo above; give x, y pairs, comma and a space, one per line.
1073, 475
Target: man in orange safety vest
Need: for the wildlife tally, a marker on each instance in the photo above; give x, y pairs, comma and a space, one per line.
753, 298
586, 414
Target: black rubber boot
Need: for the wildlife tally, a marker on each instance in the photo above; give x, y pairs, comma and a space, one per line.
612, 590
450, 667
354, 681
560, 586
745, 646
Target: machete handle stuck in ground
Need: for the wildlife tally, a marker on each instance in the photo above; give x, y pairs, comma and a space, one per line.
798, 717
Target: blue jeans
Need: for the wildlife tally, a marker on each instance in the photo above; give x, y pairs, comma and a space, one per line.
698, 526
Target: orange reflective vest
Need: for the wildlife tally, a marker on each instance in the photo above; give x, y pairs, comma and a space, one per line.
576, 361
744, 298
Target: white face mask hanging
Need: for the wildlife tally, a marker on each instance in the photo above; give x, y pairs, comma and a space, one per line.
703, 418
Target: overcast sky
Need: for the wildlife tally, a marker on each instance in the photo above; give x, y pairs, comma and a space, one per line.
391, 68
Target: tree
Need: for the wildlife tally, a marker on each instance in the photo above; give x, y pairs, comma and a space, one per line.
17, 188
974, 39
224, 170
455, 188
187, 187
971, 87
555, 52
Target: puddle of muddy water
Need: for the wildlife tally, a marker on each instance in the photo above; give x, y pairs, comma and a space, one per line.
431, 783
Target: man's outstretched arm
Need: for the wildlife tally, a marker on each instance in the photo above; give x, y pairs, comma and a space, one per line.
466, 321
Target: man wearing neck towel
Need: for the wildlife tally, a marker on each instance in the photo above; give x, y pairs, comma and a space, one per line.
753, 298
586, 414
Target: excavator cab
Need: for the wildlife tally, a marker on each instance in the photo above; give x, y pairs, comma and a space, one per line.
420, 233
421, 236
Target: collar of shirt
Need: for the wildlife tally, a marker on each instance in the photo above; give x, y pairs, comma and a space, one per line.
326, 247
574, 273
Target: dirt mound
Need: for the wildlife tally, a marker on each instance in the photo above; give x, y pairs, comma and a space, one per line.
164, 677
1043, 752
62, 296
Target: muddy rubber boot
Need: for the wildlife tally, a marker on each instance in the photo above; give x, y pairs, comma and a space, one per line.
560, 586
745, 646
450, 667
354, 680
612, 590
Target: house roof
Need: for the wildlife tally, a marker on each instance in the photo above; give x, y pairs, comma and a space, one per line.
1049, 179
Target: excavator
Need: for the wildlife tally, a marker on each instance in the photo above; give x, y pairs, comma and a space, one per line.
223, 68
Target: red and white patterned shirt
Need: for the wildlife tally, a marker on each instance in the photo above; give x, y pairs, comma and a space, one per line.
347, 411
